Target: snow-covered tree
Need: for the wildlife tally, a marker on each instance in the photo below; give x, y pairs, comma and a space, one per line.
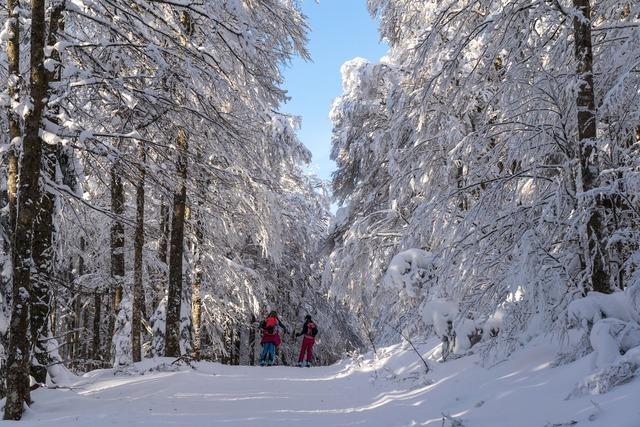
500, 138
158, 177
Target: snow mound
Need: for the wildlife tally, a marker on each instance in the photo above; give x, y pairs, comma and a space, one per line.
440, 314
612, 324
621, 372
444, 316
612, 337
596, 306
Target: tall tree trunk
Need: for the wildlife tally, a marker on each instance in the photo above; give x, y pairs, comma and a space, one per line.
53, 312
86, 345
43, 263
226, 342
172, 334
76, 336
196, 310
43, 236
117, 235
163, 242
95, 342
252, 341
462, 199
232, 345
28, 196
196, 307
164, 231
237, 345
13, 89
68, 321
13, 120
117, 253
138, 302
78, 324
587, 135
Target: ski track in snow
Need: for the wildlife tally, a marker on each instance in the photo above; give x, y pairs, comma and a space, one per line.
522, 391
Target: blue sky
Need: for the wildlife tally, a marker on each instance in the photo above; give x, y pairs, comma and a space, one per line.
340, 30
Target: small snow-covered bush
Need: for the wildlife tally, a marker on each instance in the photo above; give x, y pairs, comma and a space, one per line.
491, 327
440, 314
467, 334
409, 271
463, 333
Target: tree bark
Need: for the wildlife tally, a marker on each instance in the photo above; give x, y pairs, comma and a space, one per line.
196, 311
78, 312
43, 263
136, 319
462, 202
28, 196
97, 308
227, 337
164, 232
237, 345
252, 341
13, 120
587, 135
117, 235
196, 304
172, 334
232, 345
86, 345
160, 280
68, 321
117, 253
42, 247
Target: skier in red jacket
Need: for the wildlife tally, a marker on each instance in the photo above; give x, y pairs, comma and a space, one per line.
270, 338
309, 330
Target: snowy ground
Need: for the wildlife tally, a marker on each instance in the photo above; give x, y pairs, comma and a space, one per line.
523, 391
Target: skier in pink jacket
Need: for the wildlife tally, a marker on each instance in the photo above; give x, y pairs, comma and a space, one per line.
309, 331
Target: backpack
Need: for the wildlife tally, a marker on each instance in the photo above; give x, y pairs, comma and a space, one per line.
312, 330
270, 325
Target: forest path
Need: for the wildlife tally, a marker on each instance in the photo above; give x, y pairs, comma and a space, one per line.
212, 394
392, 390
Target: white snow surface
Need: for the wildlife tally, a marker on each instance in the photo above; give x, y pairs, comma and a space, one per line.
391, 390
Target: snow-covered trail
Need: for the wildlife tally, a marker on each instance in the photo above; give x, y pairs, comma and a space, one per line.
210, 395
523, 391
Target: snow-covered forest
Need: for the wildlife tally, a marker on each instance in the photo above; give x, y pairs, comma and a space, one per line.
157, 203
488, 171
